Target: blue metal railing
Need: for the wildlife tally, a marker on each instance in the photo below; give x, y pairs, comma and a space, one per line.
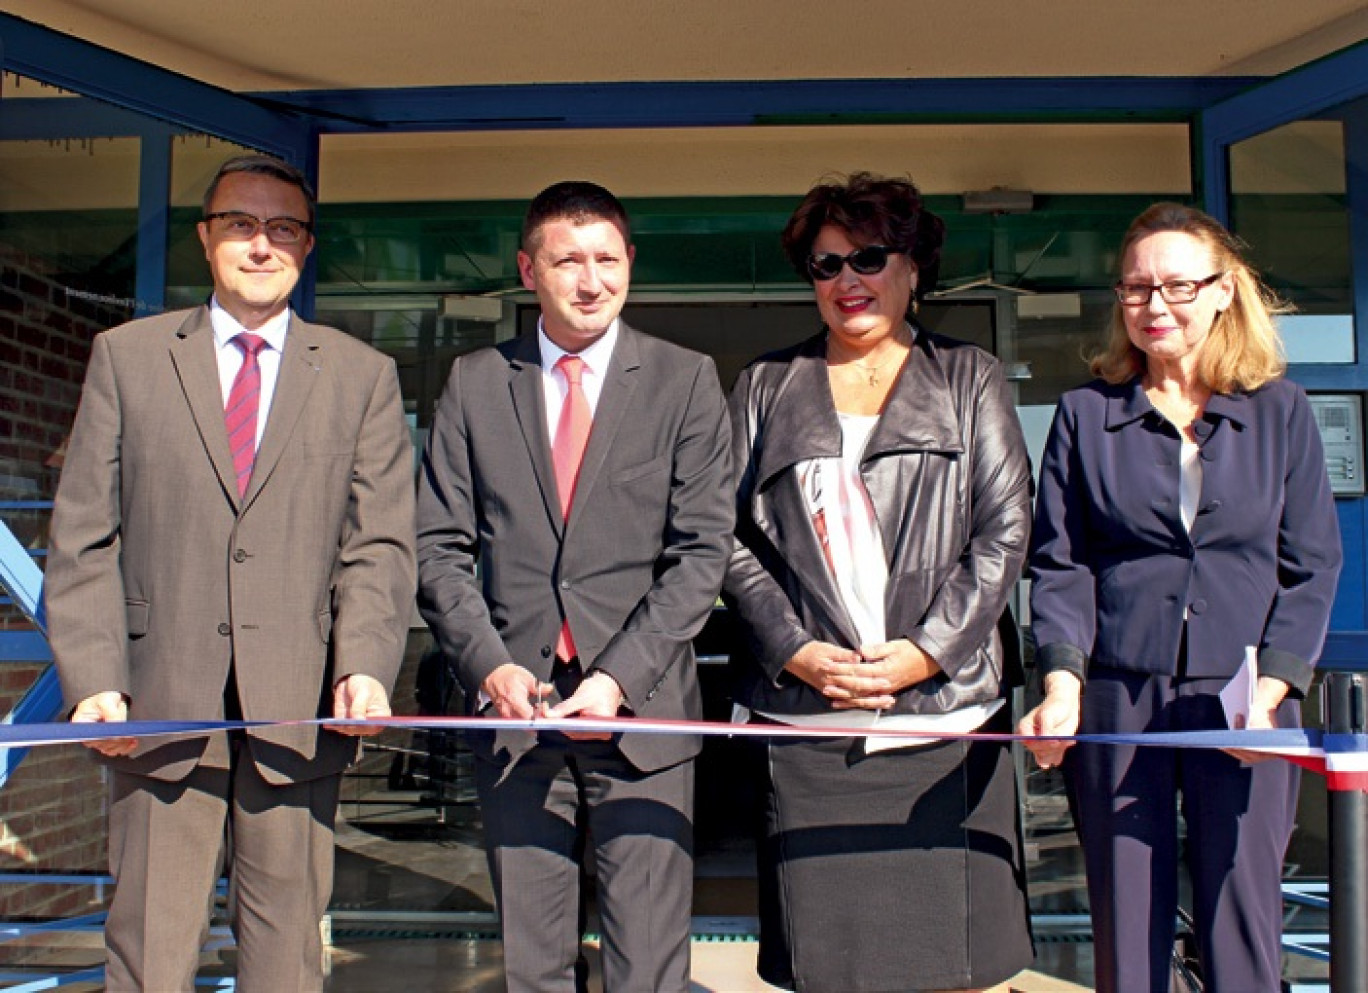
20, 575
23, 581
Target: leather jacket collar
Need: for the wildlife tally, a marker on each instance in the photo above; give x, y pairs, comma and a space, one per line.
801, 423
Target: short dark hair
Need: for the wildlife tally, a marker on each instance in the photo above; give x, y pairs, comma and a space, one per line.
577, 201
871, 210
263, 165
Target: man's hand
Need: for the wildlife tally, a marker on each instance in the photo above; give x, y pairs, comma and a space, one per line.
515, 692
109, 707
360, 697
1057, 714
598, 696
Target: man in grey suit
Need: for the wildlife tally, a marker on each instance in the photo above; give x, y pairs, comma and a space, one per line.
232, 538
599, 562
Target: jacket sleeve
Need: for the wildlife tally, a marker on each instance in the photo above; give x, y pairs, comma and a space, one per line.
972, 596
771, 626
1063, 592
693, 553
376, 574
449, 594
83, 586
1309, 557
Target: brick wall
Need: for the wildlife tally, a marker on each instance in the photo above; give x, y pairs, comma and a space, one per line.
52, 809
46, 327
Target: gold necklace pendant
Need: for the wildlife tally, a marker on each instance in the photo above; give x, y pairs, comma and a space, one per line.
871, 371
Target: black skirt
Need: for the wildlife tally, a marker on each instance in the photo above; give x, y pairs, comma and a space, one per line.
891, 872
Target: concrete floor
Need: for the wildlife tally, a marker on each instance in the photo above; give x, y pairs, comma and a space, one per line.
474, 967
389, 857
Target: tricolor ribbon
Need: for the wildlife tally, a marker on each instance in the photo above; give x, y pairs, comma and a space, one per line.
1341, 758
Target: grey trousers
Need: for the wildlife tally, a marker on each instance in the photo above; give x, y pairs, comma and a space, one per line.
539, 818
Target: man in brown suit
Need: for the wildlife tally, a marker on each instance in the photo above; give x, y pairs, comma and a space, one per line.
597, 571
232, 538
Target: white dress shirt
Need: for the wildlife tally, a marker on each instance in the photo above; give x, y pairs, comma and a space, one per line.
554, 384
230, 356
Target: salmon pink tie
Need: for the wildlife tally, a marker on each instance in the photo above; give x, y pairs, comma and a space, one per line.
567, 451
240, 415
572, 431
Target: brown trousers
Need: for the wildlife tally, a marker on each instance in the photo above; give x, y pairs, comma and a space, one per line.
166, 840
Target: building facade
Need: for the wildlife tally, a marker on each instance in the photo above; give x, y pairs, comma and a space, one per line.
104, 152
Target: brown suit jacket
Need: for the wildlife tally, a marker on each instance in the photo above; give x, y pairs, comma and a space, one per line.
637, 567
160, 576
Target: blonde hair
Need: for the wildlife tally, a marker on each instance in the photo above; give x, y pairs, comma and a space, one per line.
1242, 351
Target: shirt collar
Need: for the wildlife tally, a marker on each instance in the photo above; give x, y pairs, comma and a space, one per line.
1128, 403
226, 327
596, 356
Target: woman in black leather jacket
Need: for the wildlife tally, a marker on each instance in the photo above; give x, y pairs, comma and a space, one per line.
883, 515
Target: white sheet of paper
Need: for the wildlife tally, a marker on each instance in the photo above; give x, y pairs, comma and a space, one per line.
1237, 698
960, 721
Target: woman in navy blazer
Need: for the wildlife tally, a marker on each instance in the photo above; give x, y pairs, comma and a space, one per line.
1184, 513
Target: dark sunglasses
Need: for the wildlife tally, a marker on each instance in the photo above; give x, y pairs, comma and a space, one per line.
865, 261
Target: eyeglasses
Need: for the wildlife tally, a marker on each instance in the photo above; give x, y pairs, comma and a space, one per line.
866, 261
1174, 291
238, 225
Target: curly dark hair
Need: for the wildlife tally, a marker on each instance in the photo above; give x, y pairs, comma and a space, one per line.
871, 210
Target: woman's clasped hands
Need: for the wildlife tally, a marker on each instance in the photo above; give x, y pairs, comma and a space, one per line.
867, 679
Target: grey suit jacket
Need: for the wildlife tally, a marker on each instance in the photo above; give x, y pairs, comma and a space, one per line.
635, 569
160, 576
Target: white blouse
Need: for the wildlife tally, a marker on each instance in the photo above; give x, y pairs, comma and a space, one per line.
843, 517
1189, 482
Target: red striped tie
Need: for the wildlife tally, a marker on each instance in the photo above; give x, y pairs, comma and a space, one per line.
567, 451
240, 415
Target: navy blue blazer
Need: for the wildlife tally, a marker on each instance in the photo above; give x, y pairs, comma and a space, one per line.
1113, 569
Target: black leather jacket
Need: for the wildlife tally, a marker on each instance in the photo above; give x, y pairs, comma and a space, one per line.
947, 472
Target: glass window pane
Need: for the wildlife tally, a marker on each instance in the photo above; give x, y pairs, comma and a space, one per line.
1288, 202
194, 160
68, 239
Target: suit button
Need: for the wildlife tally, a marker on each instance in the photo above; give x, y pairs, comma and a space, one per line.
225, 630
565, 584
239, 556
1198, 605
546, 651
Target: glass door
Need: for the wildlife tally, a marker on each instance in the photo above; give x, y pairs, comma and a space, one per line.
1285, 165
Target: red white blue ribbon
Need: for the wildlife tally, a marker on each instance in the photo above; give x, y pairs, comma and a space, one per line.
1341, 758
